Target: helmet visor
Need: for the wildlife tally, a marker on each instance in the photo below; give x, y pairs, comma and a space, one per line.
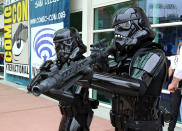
125, 25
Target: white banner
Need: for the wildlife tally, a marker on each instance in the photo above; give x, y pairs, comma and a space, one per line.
17, 69
42, 46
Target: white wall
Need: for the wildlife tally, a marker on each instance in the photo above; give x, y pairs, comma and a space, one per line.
1, 21
75, 5
87, 24
99, 3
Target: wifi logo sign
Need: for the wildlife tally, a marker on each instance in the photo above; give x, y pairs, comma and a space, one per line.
43, 43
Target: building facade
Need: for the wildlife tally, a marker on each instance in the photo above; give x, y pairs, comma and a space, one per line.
93, 19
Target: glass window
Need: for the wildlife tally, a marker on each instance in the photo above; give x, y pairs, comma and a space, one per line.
157, 11
162, 11
1, 42
103, 96
1, 9
103, 16
104, 35
76, 20
169, 37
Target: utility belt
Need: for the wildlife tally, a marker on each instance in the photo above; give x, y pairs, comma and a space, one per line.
153, 125
121, 122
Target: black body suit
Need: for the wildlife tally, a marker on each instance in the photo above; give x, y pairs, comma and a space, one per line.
140, 72
141, 112
74, 104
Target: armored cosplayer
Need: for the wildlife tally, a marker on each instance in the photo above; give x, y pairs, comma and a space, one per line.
135, 79
74, 104
138, 76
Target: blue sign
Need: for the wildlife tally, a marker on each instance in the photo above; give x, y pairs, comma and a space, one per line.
43, 12
46, 16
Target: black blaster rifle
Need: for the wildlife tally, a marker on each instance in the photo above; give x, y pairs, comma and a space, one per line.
63, 79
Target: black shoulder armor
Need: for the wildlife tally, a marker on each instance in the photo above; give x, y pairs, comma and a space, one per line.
149, 64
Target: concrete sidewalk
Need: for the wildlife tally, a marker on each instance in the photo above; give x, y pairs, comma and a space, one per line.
20, 111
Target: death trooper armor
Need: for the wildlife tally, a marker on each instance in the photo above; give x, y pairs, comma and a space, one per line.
138, 75
75, 106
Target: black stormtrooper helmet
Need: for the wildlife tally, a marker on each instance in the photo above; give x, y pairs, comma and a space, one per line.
132, 28
68, 45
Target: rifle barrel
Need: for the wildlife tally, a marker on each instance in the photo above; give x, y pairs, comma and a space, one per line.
36, 91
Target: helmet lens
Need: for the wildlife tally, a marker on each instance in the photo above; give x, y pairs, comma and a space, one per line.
66, 42
125, 25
